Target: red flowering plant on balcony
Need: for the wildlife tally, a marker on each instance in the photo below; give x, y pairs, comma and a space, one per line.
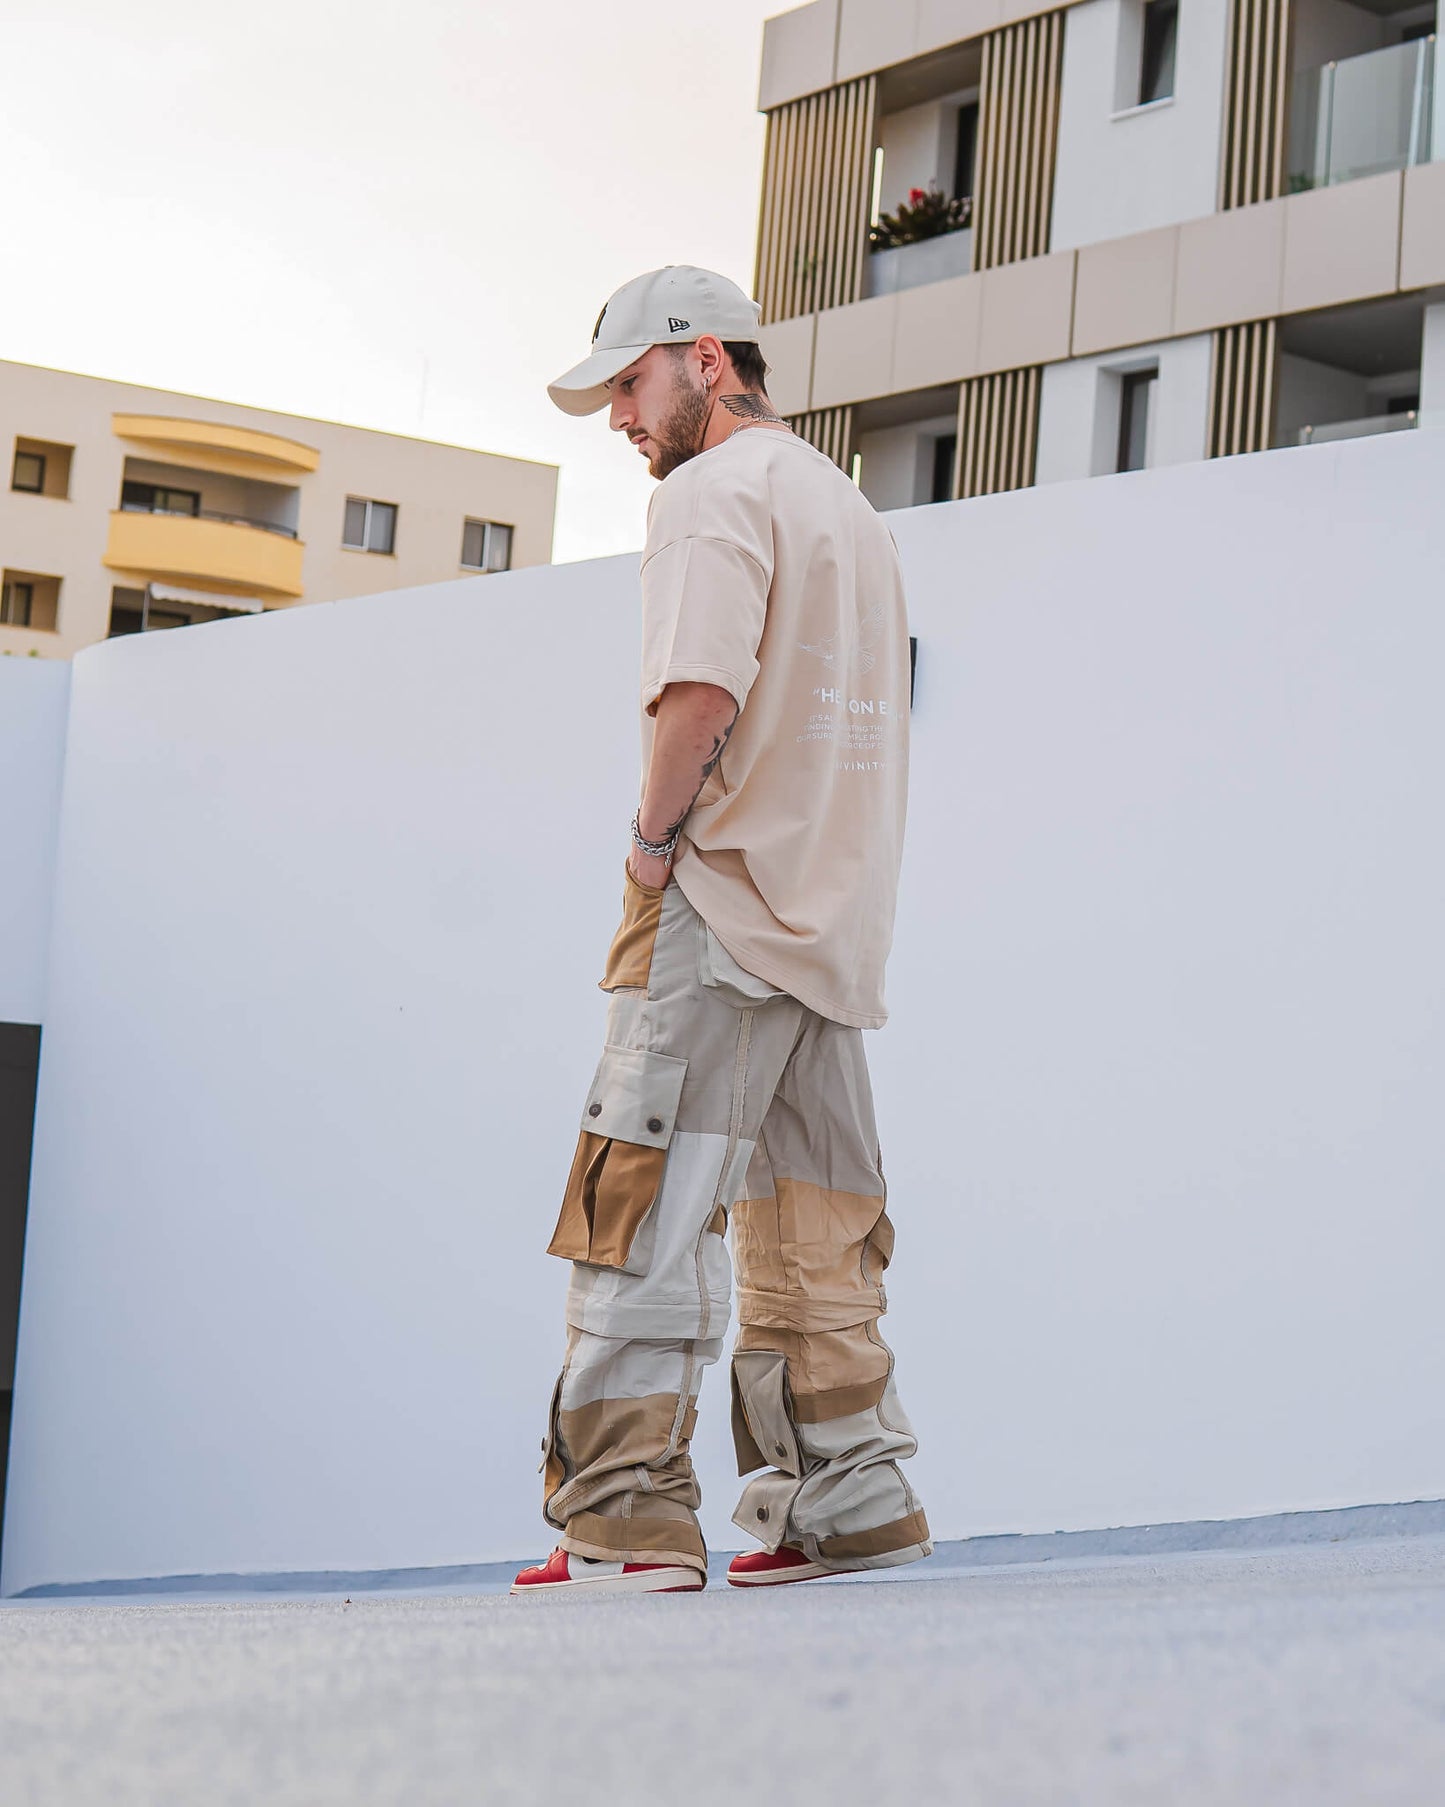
927, 213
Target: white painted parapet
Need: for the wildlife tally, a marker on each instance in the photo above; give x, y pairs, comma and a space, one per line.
1159, 1100
34, 694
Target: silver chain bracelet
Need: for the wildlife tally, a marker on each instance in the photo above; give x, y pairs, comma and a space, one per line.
657, 850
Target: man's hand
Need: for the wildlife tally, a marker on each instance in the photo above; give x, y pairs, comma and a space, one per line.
649, 871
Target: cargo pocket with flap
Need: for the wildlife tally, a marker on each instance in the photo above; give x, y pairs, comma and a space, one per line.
616, 1174
762, 1412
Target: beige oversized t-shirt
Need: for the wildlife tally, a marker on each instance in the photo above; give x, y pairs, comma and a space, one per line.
768, 573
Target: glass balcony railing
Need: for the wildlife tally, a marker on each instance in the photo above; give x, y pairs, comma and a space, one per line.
910, 266
1358, 429
1363, 116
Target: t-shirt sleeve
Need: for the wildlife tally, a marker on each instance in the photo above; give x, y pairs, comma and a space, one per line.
705, 579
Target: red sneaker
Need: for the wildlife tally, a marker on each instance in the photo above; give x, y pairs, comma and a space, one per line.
763, 1568
564, 1570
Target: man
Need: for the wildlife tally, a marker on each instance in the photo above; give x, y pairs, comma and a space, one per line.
757, 915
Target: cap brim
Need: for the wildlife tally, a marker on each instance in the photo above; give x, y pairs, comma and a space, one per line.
583, 389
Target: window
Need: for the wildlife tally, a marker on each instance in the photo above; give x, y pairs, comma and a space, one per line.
1135, 389
29, 599
966, 155
17, 600
369, 526
133, 612
41, 468
486, 546
155, 498
1161, 32
29, 473
127, 611
944, 449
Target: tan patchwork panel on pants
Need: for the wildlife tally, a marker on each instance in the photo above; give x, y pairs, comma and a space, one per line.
718, 1095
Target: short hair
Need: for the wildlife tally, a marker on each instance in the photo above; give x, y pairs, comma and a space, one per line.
749, 363
747, 360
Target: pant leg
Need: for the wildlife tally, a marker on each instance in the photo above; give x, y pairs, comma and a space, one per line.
619, 1476
813, 1394
668, 1130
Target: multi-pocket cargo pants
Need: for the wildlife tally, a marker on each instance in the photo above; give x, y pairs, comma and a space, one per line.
718, 1100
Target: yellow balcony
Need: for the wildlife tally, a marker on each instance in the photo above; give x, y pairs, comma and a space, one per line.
215, 444
220, 551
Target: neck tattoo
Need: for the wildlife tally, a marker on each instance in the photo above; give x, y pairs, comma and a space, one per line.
752, 410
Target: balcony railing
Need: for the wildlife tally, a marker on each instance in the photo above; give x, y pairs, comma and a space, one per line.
927, 260
1358, 429
1363, 116
212, 514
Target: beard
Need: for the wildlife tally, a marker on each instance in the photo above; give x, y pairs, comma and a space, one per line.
679, 435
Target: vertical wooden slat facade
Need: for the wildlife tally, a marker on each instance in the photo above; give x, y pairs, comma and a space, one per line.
1018, 140
817, 179
831, 431
998, 431
1246, 358
1256, 103
1241, 414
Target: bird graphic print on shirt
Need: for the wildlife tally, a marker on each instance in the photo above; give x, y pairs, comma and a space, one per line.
870, 626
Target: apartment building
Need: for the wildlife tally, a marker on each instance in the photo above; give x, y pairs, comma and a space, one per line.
1001, 245
130, 509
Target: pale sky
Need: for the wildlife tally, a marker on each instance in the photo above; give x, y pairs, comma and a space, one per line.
405, 217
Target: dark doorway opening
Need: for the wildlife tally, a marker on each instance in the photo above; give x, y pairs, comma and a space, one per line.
966, 153
945, 451
19, 1066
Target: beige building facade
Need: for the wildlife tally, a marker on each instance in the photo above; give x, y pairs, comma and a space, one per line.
127, 509
1175, 229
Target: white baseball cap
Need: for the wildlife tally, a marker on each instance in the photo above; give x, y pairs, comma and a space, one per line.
671, 306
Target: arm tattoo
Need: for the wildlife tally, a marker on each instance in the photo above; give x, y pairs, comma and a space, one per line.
710, 765
751, 407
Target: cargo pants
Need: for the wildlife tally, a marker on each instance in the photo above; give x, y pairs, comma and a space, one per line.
720, 1099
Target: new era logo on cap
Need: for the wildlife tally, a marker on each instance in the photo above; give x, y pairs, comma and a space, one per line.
677, 326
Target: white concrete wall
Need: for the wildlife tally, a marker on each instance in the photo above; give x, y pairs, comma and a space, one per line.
897, 469
1432, 362
1159, 1100
34, 696
1122, 169
1079, 409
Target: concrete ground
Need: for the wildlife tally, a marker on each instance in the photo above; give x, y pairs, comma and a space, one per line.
1298, 1676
